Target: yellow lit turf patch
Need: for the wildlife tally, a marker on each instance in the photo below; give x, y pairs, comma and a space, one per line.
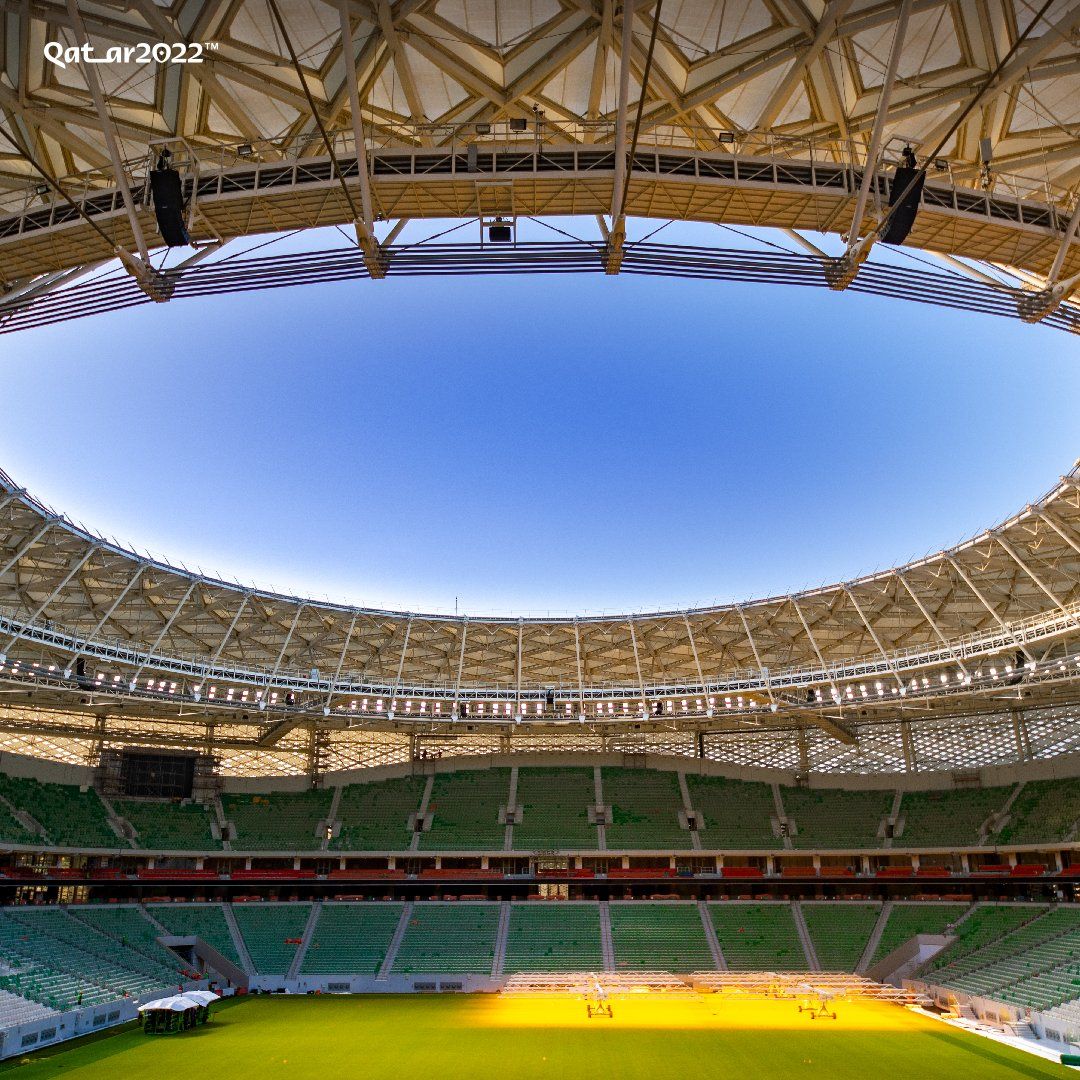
650, 1038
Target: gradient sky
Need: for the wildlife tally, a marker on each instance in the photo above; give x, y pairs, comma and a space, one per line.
526, 445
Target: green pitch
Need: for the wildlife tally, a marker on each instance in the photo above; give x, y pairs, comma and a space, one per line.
428, 1038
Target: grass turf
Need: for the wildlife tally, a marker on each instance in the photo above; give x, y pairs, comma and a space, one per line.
408, 1038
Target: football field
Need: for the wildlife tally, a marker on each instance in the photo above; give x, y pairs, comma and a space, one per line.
648, 1038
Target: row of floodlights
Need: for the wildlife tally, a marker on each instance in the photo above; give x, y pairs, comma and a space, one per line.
517, 710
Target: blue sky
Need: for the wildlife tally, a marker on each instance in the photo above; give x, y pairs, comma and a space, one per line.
546, 444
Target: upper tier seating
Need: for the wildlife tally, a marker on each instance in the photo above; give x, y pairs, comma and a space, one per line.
947, 818
836, 819
375, 816
70, 817
758, 937
659, 937
1045, 810
270, 932
555, 812
172, 825
465, 811
645, 809
449, 938
840, 932
351, 938
554, 937
13, 831
907, 920
738, 814
279, 821
206, 921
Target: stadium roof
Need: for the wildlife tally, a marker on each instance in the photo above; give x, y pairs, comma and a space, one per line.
789, 114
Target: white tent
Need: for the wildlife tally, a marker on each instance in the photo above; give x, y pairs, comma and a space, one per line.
176, 1003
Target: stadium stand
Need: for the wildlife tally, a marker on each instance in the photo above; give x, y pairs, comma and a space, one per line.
70, 816
16, 1010
986, 924
907, 920
1044, 811
645, 809
465, 811
941, 819
270, 932
13, 831
737, 814
758, 937
62, 963
449, 938
127, 924
555, 813
375, 816
171, 826
351, 938
1036, 964
278, 821
840, 932
659, 937
206, 921
554, 937
834, 818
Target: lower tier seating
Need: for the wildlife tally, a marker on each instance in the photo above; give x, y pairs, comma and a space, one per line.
206, 921
906, 920
554, 937
127, 924
758, 937
449, 938
840, 932
351, 938
271, 932
663, 936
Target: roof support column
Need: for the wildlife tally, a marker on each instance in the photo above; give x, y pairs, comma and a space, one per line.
757, 658
931, 621
580, 671
340, 664
616, 234
161, 636
139, 267
986, 604
1037, 305
637, 664
848, 265
400, 667
106, 617
461, 661
374, 258
873, 634
1015, 556
280, 657
76, 566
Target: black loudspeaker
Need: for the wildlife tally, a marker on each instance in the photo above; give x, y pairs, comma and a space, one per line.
169, 206
903, 216
499, 234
